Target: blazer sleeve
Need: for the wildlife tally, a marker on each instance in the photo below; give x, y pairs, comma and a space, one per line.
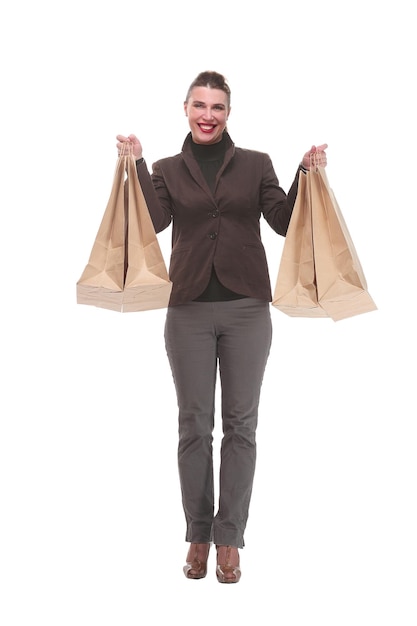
276, 205
156, 195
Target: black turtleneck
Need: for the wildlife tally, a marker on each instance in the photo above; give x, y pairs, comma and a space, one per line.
210, 159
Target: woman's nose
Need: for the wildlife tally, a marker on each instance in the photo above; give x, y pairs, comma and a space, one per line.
208, 114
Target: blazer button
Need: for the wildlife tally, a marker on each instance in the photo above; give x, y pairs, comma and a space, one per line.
213, 235
215, 213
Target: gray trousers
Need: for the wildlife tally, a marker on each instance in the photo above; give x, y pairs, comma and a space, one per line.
235, 337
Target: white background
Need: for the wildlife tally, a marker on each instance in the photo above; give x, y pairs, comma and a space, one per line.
91, 525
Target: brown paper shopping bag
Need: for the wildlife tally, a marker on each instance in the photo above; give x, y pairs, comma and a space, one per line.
295, 289
126, 270
341, 285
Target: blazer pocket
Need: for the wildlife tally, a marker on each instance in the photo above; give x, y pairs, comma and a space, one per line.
254, 256
180, 250
253, 246
179, 263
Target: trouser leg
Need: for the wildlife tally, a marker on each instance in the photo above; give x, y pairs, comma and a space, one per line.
191, 347
244, 338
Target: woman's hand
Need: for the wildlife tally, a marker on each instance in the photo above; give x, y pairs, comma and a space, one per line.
133, 143
315, 156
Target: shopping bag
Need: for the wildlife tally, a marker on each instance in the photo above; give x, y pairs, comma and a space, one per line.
295, 290
342, 289
126, 271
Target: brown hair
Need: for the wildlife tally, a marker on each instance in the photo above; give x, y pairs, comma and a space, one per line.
213, 80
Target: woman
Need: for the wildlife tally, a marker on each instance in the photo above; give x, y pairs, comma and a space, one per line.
219, 314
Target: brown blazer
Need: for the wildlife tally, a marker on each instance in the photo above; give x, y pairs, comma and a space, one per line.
221, 228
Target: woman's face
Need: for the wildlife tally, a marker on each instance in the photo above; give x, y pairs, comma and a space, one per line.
207, 111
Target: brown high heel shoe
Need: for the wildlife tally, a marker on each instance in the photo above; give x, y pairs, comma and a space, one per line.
196, 565
228, 570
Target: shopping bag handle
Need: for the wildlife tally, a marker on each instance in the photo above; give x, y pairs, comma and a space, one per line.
316, 161
126, 149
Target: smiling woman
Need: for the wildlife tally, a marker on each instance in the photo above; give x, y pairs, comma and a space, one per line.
218, 318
